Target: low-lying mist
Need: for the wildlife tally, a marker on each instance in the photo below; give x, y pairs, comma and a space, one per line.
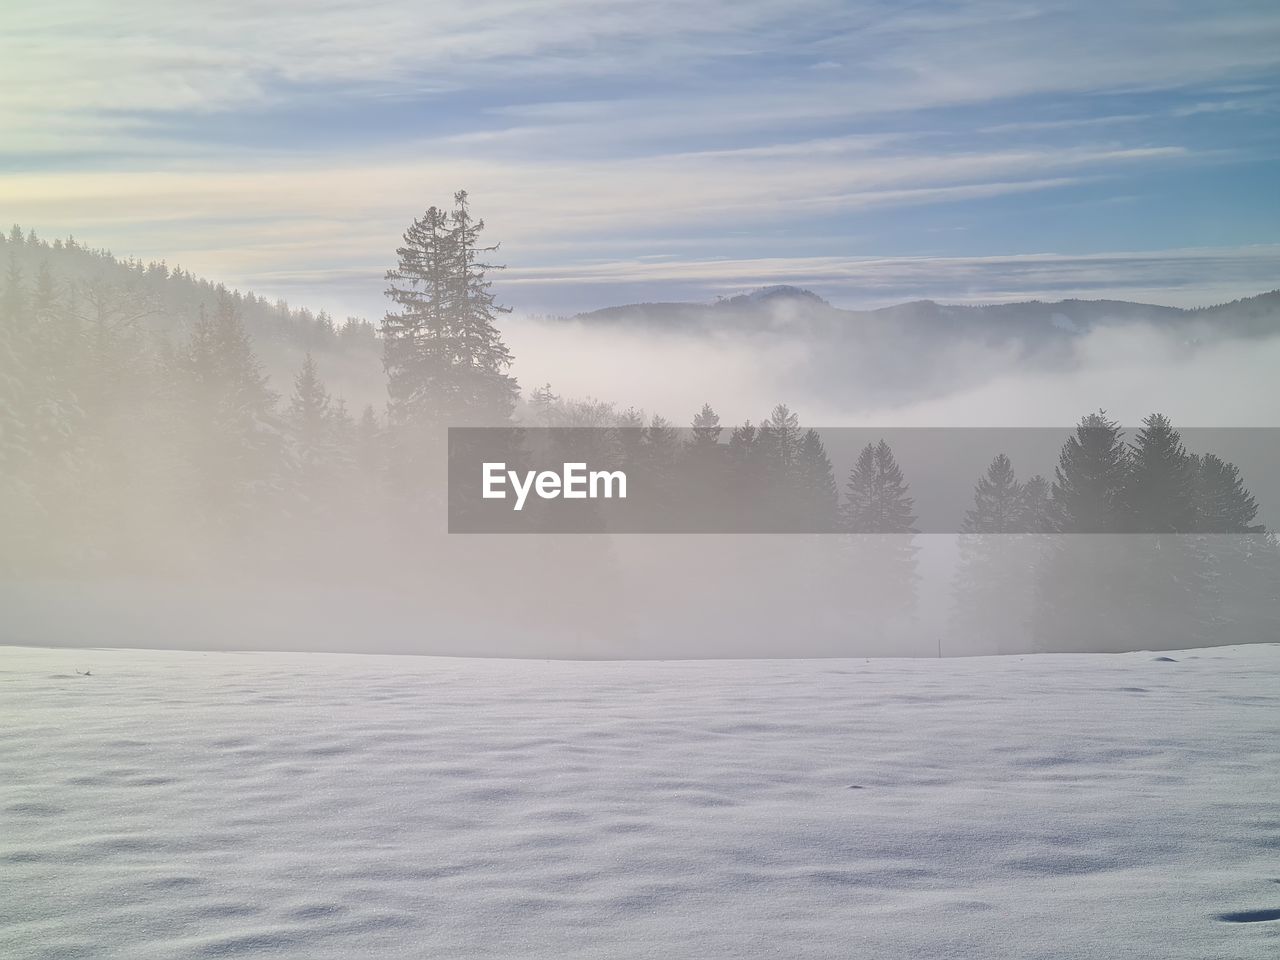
1198, 377
176, 476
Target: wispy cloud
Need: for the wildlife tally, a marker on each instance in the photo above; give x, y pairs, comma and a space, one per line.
1185, 277
352, 210
79, 57
265, 141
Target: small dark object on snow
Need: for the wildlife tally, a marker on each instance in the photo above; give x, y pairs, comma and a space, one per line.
1250, 916
87, 673
1163, 660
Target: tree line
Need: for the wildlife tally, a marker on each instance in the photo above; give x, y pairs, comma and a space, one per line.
125, 448
1186, 558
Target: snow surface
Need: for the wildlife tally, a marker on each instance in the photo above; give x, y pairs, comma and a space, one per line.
185, 804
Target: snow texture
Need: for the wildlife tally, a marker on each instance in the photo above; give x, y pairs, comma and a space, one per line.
185, 804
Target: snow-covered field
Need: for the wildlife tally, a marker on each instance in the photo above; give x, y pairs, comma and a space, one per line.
178, 804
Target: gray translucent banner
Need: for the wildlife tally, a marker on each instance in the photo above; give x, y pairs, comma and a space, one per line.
839, 480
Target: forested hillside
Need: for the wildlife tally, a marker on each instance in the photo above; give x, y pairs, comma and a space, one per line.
893, 353
162, 304
141, 433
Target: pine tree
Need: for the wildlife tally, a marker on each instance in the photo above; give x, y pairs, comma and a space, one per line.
310, 410
1244, 556
780, 438
704, 471
652, 452
816, 482
324, 441
1082, 589
343, 445
45, 298
876, 499
994, 580
662, 441
325, 330
881, 569
111, 316
1172, 589
658, 456
446, 362
1222, 504
1037, 506
629, 434
1089, 487
742, 440
999, 504
743, 487
1160, 485
416, 347
13, 299
706, 428
774, 460
544, 401
817, 563
19, 504
232, 436
489, 392
57, 417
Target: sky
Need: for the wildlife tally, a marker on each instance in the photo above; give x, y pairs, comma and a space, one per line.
624, 152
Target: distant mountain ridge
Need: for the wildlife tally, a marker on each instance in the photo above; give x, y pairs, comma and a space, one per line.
889, 352
923, 348
785, 307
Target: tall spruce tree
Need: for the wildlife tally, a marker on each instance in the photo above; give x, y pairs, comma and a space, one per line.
659, 454
630, 436
231, 432
876, 497
704, 473
880, 559
1222, 504
1083, 585
1172, 582
819, 500
705, 429
742, 439
781, 435
446, 362
1245, 557
324, 441
994, 580
310, 412
774, 463
481, 356
998, 501
1089, 482
416, 353
743, 486
1160, 486
662, 438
